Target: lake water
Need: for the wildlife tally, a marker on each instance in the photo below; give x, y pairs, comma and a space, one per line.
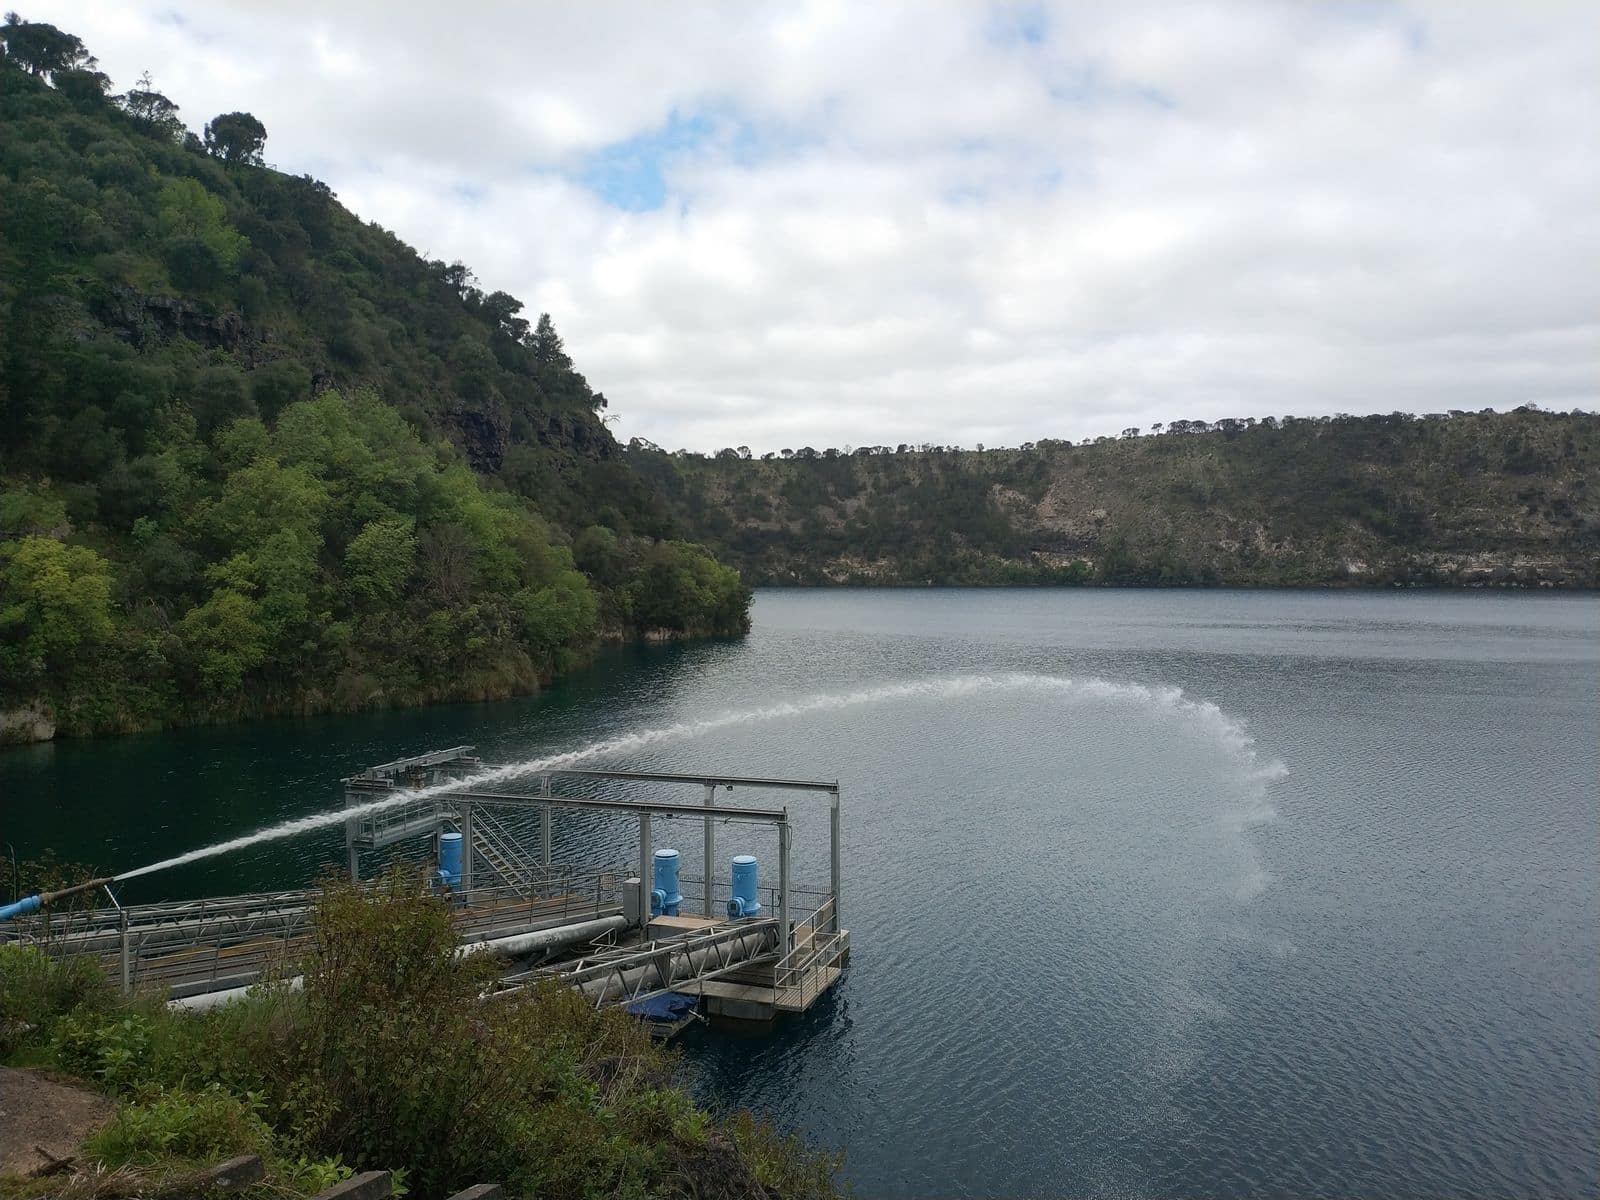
1322, 924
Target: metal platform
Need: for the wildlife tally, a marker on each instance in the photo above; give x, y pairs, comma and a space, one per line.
510, 886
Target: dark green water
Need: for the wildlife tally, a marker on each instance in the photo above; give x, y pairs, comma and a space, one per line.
1322, 925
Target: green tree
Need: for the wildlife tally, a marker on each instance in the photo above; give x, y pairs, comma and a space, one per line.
225, 640
55, 608
153, 110
42, 49
186, 210
379, 560
236, 137
548, 347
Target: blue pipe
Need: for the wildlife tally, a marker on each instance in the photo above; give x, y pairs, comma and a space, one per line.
666, 898
21, 908
744, 902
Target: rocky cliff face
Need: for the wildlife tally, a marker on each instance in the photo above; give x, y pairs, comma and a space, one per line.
1471, 500
142, 320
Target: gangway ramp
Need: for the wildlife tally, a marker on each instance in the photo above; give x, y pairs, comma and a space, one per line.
624, 975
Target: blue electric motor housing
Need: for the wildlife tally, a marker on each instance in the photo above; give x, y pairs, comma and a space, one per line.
449, 873
744, 902
666, 898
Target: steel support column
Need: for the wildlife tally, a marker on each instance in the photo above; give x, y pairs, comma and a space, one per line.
646, 880
466, 847
351, 852
785, 943
709, 870
833, 856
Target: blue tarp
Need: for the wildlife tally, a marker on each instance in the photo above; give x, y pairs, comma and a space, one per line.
669, 1006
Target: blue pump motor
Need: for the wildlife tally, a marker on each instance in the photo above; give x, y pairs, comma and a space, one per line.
666, 898
744, 902
449, 873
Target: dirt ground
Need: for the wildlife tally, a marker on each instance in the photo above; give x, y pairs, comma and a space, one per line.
35, 1111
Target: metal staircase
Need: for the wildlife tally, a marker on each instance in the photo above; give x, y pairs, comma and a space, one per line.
497, 847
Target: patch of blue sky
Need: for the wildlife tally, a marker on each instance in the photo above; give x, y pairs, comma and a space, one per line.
1017, 25
633, 174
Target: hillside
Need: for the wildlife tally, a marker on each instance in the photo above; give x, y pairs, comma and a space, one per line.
258, 456
1458, 500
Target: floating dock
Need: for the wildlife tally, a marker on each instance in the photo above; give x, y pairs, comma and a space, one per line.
619, 934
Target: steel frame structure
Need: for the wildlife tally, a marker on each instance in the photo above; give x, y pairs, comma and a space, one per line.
457, 804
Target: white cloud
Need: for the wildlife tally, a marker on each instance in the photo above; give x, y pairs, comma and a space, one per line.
909, 223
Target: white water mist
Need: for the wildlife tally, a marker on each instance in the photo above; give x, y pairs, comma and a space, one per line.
1165, 703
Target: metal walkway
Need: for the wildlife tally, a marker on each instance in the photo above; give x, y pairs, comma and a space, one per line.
186, 949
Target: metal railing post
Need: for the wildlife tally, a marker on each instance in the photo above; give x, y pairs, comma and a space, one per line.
466, 847
127, 957
544, 825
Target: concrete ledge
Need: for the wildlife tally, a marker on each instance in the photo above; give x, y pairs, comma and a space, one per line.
233, 1175
482, 1191
370, 1185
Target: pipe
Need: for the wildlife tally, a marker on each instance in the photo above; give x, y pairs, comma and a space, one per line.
28, 904
38, 900
203, 1001
514, 946
518, 944
617, 984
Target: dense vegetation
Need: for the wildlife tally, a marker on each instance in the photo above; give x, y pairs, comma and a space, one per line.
257, 456
386, 1060
1457, 499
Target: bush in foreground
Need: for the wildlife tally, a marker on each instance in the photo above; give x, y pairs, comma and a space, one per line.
390, 1059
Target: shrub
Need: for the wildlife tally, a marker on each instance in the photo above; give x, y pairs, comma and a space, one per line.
195, 1126
36, 991
113, 1049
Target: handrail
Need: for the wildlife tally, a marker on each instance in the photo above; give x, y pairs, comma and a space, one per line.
802, 969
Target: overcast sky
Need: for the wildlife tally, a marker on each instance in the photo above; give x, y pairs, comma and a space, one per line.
862, 223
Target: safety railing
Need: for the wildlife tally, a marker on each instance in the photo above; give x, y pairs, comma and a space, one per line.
802, 974
385, 825
801, 900
207, 945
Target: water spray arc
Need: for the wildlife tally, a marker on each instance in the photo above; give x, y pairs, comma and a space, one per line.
1167, 702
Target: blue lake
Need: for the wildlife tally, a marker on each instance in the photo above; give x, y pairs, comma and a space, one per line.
1165, 893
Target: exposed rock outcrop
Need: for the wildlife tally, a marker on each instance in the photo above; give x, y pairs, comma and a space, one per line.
29, 723
139, 319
